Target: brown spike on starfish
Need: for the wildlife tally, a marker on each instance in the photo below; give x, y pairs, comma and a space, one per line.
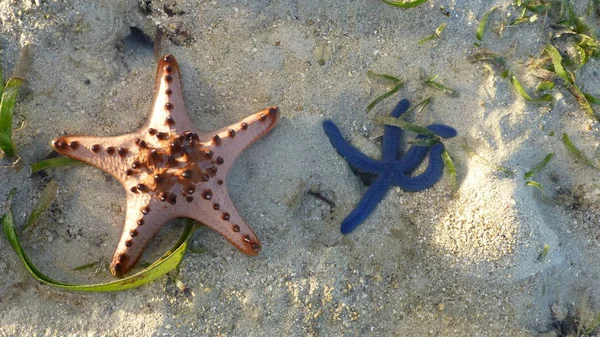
167, 167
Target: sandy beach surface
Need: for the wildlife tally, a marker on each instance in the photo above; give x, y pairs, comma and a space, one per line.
434, 263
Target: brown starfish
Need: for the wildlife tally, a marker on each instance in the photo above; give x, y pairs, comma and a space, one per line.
170, 169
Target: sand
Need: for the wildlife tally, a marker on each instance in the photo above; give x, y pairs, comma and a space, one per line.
432, 263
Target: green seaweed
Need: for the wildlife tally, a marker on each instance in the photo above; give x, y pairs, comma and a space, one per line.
520, 20
55, 162
432, 83
539, 8
424, 142
400, 122
515, 82
405, 3
544, 252
576, 153
451, 170
7, 104
380, 98
545, 86
583, 56
495, 59
1, 81
481, 27
530, 11
566, 10
591, 326
547, 75
435, 34
8, 98
541, 188
166, 263
418, 107
86, 266
535, 184
539, 166
398, 84
589, 44
391, 78
484, 55
557, 62
46, 198
592, 7
592, 99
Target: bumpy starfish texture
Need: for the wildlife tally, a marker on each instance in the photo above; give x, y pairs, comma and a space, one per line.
170, 169
391, 170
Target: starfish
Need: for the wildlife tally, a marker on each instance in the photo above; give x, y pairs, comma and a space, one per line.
390, 170
170, 169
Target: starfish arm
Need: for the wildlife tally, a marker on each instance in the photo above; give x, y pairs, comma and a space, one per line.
428, 178
367, 203
110, 154
416, 154
352, 155
412, 158
443, 130
145, 216
228, 142
392, 134
216, 210
168, 112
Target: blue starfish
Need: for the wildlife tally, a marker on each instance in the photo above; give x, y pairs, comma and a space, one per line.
391, 170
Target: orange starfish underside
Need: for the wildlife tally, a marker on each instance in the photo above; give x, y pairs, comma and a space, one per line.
170, 169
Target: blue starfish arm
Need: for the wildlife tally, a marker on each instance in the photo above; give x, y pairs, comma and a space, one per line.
353, 156
425, 180
367, 203
443, 130
416, 154
392, 134
412, 158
